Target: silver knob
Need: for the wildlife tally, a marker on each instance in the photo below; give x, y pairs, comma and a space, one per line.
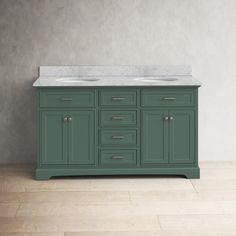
69, 118
171, 118
65, 119
166, 118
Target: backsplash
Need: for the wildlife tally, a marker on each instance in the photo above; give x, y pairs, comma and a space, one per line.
139, 70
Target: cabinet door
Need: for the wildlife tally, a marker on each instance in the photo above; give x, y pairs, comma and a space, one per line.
181, 137
154, 137
81, 137
53, 135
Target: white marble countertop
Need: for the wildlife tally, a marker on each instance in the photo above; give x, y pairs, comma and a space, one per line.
101, 76
106, 81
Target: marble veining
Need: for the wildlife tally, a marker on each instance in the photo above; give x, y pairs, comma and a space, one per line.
81, 76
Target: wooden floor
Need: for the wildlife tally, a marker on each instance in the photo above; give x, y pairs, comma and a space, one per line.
114, 206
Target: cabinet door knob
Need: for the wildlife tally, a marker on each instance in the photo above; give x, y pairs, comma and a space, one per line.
65, 119
69, 118
166, 118
171, 118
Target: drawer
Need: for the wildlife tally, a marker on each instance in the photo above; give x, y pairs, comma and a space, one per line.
167, 97
117, 118
118, 137
67, 98
118, 158
116, 97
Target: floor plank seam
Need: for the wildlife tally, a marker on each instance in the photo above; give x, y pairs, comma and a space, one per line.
159, 222
130, 198
17, 210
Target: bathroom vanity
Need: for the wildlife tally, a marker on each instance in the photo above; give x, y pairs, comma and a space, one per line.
117, 120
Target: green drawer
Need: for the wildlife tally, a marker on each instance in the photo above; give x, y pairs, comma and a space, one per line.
116, 97
118, 137
64, 98
118, 158
118, 118
167, 97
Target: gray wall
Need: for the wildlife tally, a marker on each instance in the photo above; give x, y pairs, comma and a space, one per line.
117, 32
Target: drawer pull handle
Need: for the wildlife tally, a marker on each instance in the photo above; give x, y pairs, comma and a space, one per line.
117, 117
117, 157
117, 98
66, 99
169, 98
117, 137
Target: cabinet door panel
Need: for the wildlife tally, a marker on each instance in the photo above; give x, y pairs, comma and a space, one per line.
181, 137
53, 134
154, 137
81, 138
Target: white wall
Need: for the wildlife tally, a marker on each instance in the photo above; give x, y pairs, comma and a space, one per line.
118, 32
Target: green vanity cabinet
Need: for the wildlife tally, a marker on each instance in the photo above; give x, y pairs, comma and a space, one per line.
154, 137
53, 137
117, 131
81, 138
167, 136
181, 136
67, 137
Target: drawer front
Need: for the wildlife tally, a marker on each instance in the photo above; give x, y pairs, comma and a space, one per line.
165, 97
118, 158
118, 137
118, 118
118, 98
62, 98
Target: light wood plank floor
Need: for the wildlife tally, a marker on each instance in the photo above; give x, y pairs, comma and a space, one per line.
114, 206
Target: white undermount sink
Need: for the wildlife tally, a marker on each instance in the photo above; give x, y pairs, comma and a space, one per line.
156, 79
75, 79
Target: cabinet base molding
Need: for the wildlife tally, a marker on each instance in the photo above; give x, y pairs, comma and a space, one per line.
188, 172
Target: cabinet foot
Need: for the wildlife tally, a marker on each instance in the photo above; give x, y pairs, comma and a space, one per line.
193, 174
42, 175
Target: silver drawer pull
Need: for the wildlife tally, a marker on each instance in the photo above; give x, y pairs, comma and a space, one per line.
66, 99
117, 137
169, 98
117, 157
117, 117
117, 98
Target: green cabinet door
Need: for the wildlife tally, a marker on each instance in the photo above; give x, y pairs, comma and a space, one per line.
53, 137
154, 137
81, 139
181, 136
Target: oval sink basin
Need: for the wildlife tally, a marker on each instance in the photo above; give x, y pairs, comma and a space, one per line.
168, 79
76, 79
